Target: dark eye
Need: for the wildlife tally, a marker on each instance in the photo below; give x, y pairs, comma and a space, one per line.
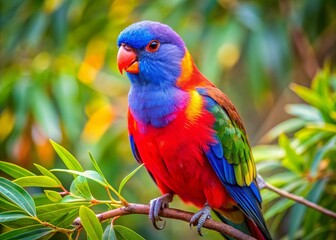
153, 46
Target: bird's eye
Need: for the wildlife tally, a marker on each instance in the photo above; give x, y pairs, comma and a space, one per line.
153, 46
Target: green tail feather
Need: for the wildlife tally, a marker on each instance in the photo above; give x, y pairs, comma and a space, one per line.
243, 227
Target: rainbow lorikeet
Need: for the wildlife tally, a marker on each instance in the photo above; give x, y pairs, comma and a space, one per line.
187, 132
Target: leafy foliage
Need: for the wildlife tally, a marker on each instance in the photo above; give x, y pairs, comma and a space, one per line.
306, 161
36, 216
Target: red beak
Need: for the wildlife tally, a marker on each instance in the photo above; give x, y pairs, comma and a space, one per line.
127, 60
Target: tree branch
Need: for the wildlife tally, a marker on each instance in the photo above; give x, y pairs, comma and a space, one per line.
263, 184
134, 208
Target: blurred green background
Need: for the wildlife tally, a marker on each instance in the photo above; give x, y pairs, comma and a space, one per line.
59, 78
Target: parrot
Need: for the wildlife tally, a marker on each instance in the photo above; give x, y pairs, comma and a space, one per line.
187, 132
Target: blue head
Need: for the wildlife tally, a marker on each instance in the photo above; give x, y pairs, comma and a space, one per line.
151, 53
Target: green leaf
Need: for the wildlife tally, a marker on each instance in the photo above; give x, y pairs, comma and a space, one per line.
267, 153
52, 211
307, 138
20, 223
66, 92
14, 170
277, 208
284, 127
73, 198
124, 233
281, 205
90, 223
299, 210
27, 233
320, 155
309, 96
317, 233
65, 220
279, 179
93, 175
17, 195
53, 195
109, 233
44, 111
292, 161
304, 112
289, 187
6, 205
36, 27
265, 166
37, 181
326, 127
96, 166
69, 160
47, 173
125, 180
80, 187
11, 216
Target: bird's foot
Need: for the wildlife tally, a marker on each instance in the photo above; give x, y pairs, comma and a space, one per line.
200, 217
155, 206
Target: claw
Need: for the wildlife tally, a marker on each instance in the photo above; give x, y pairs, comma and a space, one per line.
155, 206
200, 217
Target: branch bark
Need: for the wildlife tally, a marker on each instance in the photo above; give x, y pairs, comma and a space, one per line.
263, 184
134, 208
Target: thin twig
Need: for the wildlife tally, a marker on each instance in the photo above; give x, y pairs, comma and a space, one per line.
301, 44
263, 184
134, 208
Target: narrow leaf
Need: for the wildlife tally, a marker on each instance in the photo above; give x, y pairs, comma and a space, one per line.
12, 216
284, 127
90, 223
109, 233
27, 233
14, 170
292, 161
309, 96
80, 187
55, 210
267, 153
96, 166
299, 210
127, 233
278, 207
304, 112
125, 180
65, 221
69, 160
37, 181
17, 195
7, 205
72, 198
53, 195
320, 155
47, 173
93, 175
44, 111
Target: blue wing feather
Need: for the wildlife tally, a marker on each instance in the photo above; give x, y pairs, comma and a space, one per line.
247, 197
134, 149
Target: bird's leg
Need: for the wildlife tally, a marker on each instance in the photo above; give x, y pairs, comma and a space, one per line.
200, 217
155, 206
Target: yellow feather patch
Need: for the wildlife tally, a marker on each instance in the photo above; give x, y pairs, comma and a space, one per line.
186, 69
194, 107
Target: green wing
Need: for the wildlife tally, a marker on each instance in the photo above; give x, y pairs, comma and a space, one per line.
236, 148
